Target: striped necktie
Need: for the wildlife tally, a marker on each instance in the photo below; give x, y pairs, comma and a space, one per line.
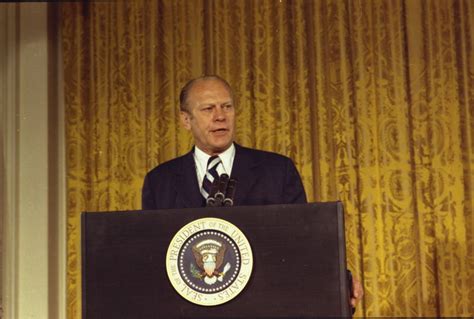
211, 175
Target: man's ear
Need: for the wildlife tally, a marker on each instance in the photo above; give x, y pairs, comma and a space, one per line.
185, 119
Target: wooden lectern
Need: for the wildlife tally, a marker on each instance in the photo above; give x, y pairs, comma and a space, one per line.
299, 263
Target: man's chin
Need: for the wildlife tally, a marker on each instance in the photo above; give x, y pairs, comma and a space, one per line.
220, 147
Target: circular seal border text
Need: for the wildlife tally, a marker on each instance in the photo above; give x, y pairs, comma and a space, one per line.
173, 261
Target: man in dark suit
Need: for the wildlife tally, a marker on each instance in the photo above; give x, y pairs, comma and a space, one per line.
207, 111
263, 178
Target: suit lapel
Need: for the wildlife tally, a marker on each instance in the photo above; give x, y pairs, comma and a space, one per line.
186, 183
244, 172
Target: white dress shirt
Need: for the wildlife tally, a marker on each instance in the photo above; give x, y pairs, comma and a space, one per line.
225, 166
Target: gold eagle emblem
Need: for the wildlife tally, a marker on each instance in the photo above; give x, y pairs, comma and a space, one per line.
209, 257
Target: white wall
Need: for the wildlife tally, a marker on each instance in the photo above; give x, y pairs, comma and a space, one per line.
32, 163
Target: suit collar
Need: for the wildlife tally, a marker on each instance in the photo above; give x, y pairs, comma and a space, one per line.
244, 172
186, 182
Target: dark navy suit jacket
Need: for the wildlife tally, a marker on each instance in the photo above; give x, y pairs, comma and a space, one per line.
263, 178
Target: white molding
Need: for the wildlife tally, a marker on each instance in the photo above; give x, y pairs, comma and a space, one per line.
61, 207
33, 163
9, 87
33, 180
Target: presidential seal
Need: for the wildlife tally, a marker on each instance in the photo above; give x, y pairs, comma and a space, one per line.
209, 261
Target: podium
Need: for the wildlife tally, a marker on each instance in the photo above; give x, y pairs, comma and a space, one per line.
299, 266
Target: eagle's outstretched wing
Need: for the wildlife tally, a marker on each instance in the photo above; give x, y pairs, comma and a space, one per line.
198, 258
220, 256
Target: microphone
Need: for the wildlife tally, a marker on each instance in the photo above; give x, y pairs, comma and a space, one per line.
211, 201
230, 193
220, 194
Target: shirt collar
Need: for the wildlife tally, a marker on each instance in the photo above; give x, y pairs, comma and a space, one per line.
227, 158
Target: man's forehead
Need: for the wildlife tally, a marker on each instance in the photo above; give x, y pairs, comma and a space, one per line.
210, 89
209, 85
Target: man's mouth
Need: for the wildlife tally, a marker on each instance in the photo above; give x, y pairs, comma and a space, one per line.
219, 130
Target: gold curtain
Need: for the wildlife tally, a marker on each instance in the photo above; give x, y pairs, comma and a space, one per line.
374, 100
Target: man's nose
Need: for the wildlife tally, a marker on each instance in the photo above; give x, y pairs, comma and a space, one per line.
219, 114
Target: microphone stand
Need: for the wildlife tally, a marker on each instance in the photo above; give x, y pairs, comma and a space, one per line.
222, 192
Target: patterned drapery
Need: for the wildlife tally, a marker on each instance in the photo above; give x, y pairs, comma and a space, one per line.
374, 101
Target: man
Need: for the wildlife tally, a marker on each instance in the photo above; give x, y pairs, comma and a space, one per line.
207, 111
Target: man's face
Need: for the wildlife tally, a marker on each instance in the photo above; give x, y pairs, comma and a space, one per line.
210, 116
